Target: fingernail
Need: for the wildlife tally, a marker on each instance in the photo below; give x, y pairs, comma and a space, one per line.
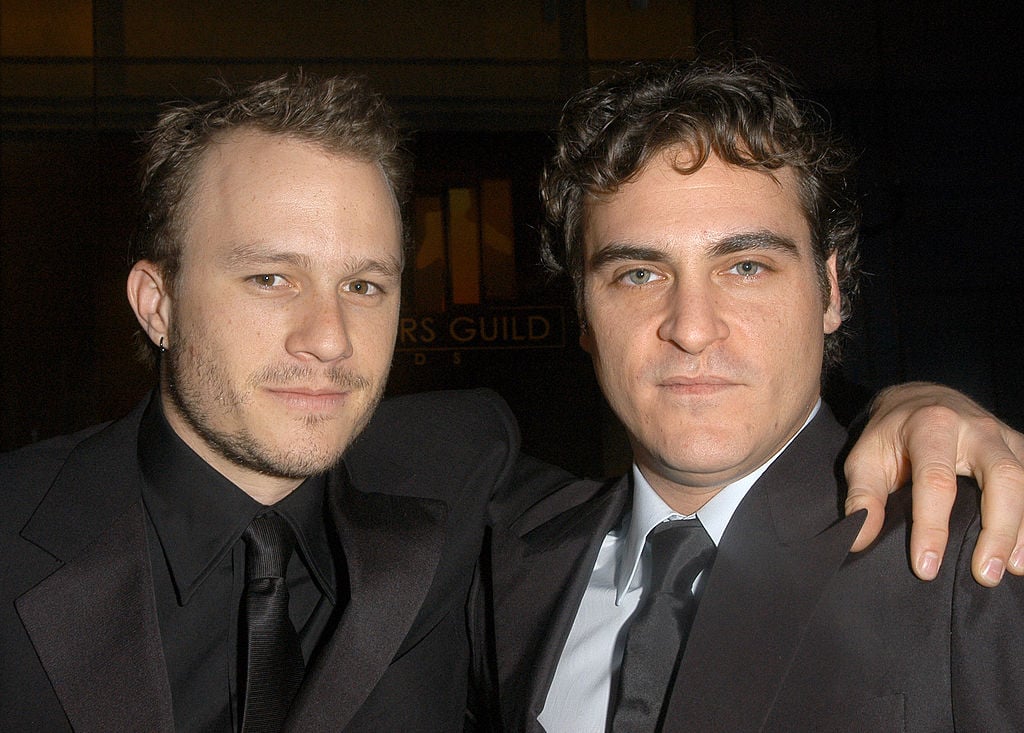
993, 570
930, 564
1017, 559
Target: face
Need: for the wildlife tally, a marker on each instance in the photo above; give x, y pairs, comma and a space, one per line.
281, 323
706, 320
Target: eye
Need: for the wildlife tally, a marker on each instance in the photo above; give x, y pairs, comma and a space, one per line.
747, 268
639, 276
362, 287
268, 280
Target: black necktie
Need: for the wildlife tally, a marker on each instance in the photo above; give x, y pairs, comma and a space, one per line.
274, 666
655, 640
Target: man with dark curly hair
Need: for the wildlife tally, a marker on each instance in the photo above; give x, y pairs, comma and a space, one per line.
704, 216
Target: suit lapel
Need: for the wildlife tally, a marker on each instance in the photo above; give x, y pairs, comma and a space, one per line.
533, 611
781, 549
392, 546
93, 621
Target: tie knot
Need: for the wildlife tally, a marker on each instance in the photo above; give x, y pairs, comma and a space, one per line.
680, 550
269, 542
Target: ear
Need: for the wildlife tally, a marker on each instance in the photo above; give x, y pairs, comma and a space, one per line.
833, 317
150, 299
586, 341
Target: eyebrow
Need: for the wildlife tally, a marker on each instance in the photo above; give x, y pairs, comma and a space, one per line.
760, 240
618, 252
256, 256
253, 255
387, 266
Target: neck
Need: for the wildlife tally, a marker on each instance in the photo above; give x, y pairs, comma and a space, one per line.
685, 500
267, 489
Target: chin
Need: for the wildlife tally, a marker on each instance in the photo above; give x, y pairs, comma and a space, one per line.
302, 464
304, 452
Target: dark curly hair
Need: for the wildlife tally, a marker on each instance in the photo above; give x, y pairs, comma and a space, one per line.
340, 114
745, 112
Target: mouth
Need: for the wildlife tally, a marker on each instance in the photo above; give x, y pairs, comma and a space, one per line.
310, 399
696, 386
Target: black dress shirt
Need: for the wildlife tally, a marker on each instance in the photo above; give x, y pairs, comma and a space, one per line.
196, 519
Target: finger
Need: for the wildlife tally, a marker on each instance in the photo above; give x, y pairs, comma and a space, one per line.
1016, 564
934, 493
876, 466
1002, 514
872, 469
855, 501
932, 441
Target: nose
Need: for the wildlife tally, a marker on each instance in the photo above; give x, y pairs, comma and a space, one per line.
319, 331
693, 319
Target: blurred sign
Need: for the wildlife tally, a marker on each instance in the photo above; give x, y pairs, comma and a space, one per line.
531, 327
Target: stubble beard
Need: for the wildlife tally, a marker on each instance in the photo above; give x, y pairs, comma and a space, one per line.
199, 387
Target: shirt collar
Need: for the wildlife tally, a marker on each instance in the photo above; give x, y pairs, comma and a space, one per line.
304, 510
199, 515
650, 510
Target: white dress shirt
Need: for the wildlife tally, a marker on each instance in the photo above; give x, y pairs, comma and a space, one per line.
580, 692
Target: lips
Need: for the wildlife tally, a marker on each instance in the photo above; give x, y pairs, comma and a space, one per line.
699, 381
701, 386
308, 391
310, 399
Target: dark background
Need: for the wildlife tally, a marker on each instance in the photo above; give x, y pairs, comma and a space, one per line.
929, 93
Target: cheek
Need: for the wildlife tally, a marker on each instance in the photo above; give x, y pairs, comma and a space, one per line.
376, 331
791, 341
617, 355
231, 337
207, 309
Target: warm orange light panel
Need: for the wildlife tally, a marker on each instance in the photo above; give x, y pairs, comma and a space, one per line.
499, 266
464, 245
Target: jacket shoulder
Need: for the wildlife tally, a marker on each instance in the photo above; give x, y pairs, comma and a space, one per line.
27, 473
466, 437
93, 467
480, 412
440, 421
540, 491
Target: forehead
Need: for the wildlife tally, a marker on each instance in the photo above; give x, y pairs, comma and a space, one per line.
250, 185
661, 204
254, 162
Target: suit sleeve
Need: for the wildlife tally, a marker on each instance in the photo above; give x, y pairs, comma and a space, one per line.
532, 482
986, 644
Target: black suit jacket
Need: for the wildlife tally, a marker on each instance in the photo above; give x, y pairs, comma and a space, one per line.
793, 632
79, 639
